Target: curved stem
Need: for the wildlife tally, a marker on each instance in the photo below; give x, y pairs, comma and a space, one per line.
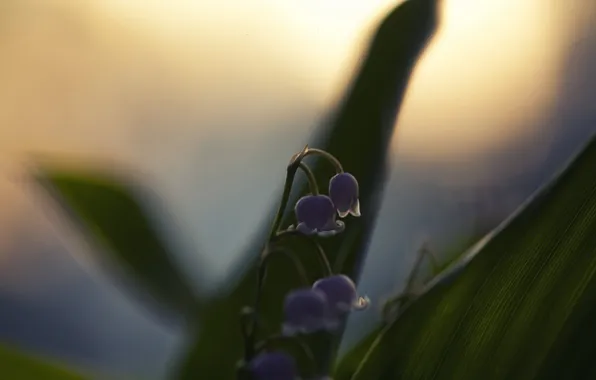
262, 272
297, 264
320, 251
312, 181
293, 166
433, 260
331, 158
284, 201
395, 305
349, 239
322, 257
250, 332
242, 372
247, 325
412, 276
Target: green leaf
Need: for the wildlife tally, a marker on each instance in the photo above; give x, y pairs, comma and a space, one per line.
349, 362
524, 307
359, 136
110, 213
17, 366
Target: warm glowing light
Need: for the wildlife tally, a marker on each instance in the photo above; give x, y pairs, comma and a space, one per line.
331, 30
485, 81
152, 82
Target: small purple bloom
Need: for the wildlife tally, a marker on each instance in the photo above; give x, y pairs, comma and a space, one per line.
275, 365
316, 215
306, 311
341, 295
343, 191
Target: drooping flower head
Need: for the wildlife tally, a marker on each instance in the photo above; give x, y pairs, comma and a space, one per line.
316, 215
341, 295
343, 191
275, 365
306, 311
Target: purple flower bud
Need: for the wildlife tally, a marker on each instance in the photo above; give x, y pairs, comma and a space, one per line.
343, 191
274, 365
316, 215
341, 295
306, 311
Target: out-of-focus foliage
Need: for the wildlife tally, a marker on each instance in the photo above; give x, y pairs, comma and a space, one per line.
17, 366
111, 214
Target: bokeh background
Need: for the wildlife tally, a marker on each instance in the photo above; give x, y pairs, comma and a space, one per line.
206, 100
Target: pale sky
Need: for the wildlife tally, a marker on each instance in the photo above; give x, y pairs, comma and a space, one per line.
487, 76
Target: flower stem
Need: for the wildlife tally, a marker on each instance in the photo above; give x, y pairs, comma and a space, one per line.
394, 305
292, 168
422, 251
291, 173
274, 234
312, 181
284, 200
331, 158
247, 325
433, 260
297, 264
320, 251
251, 331
399, 302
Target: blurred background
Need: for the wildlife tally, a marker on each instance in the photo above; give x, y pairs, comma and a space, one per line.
206, 100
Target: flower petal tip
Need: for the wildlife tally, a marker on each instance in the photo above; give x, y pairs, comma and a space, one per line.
343, 214
288, 330
332, 229
355, 211
361, 303
303, 228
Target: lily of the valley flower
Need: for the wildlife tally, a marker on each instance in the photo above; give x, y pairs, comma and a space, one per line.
340, 292
343, 191
275, 365
316, 215
306, 311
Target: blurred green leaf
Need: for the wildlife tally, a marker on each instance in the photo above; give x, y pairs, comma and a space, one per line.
17, 366
524, 307
359, 136
110, 213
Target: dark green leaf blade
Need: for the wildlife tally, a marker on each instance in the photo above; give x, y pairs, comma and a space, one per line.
522, 308
350, 361
18, 366
359, 137
110, 213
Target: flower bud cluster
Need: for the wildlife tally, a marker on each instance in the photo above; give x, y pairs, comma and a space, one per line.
325, 304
